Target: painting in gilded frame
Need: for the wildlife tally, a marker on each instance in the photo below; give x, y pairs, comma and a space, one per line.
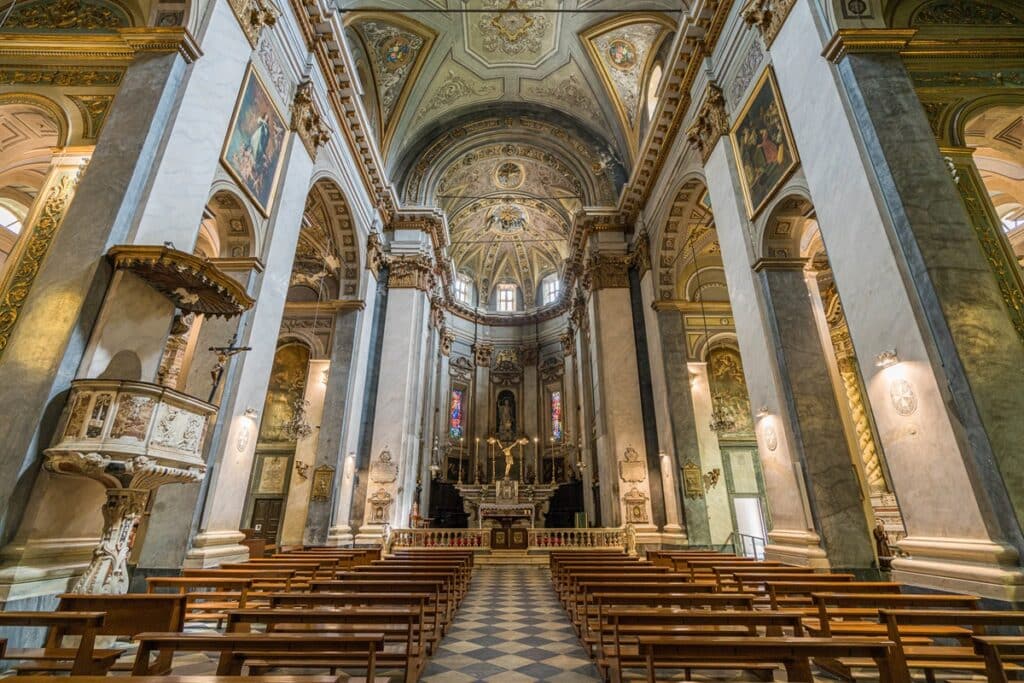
253, 151
763, 144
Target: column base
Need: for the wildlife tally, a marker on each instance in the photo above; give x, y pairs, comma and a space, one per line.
369, 535
43, 568
211, 548
802, 548
673, 534
340, 535
962, 565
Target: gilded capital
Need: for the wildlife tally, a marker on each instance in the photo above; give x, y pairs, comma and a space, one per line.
411, 271
607, 271
640, 257
768, 16
376, 258
711, 123
482, 352
307, 120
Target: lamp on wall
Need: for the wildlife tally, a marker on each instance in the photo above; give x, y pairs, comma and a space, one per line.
886, 359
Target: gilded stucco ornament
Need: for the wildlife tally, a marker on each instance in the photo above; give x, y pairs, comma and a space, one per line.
607, 271
482, 351
67, 15
567, 340
411, 271
768, 16
376, 257
447, 339
307, 120
254, 15
710, 124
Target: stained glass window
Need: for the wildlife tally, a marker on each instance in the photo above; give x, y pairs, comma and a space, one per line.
556, 415
455, 417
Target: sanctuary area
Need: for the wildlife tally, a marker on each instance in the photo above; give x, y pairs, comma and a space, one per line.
490, 314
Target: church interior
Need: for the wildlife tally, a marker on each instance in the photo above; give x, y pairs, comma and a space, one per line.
512, 340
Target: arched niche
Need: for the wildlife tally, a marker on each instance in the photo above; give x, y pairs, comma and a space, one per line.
227, 228
785, 224
327, 255
688, 237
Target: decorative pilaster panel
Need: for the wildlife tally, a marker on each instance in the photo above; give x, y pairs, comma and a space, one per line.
39, 231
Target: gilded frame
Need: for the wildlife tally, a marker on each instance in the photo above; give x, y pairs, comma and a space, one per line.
756, 204
252, 77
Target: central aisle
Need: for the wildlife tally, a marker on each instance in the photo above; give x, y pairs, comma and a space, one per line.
510, 628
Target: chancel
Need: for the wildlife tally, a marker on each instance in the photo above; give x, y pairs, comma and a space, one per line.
512, 340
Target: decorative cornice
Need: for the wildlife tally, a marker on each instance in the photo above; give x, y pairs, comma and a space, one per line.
410, 271
699, 35
768, 16
253, 16
859, 40
122, 46
779, 263
683, 306
307, 121
311, 308
710, 124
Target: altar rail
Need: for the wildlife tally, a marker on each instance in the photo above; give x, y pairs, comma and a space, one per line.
540, 539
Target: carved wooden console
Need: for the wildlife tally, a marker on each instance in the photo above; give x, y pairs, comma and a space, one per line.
132, 437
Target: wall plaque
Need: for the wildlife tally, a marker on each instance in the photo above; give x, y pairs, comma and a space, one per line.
323, 481
693, 483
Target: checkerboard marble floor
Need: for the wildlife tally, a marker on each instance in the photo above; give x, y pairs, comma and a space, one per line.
510, 628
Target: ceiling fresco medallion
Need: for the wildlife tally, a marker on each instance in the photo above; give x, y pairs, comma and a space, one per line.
622, 54
505, 32
507, 219
396, 52
511, 24
509, 176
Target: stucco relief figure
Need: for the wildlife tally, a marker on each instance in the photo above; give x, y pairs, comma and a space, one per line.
506, 420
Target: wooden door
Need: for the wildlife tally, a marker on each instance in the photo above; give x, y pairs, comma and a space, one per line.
266, 518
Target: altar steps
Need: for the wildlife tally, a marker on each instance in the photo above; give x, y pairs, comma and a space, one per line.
511, 557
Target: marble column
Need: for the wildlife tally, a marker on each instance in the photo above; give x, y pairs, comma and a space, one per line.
836, 496
621, 450
43, 345
232, 448
307, 449
403, 368
681, 416
330, 452
913, 279
792, 537
716, 500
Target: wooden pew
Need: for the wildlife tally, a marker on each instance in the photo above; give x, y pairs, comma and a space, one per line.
444, 605
788, 594
937, 623
208, 598
580, 610
359, 650
997, 652
689, 601
792, 653
402, 626
262, 579
125, 616
85, 659
279, 678
617, 647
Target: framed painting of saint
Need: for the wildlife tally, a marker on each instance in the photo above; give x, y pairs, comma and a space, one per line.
254, 148
763, 144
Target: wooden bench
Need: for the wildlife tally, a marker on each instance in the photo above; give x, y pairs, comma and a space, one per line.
936, 623
580, 610
85, 659
262, 579
358, 650
280, 678
787, 594
444, 606
997, 652
792, 653
208, 598
124, 616
617, 644
689, 601
402, 626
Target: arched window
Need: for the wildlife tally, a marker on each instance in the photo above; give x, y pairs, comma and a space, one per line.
653, 83
551, 288
462, 289
506, 298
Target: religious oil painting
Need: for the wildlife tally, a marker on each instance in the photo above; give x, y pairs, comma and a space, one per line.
763, 144
253, 151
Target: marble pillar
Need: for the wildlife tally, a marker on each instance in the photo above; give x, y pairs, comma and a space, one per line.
792, 537
836, 496
43, 346
330, 452
681, 418
912, 280
716, 500
233, 447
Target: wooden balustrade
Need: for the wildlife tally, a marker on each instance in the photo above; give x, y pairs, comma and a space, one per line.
546, 539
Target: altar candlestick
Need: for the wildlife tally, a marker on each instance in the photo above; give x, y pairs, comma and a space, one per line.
536, 459
552, 451
476, 461
522, 463
462, 450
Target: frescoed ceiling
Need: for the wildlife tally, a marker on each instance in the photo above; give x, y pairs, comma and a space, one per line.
509, 115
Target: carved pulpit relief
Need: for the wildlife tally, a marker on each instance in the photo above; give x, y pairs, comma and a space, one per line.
632, 469
382, 469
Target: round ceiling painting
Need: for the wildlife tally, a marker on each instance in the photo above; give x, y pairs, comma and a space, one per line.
622, 54
509, 176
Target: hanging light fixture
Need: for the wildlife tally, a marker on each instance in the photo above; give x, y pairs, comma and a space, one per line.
720, 420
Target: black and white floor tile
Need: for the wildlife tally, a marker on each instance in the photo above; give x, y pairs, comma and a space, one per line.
510, 628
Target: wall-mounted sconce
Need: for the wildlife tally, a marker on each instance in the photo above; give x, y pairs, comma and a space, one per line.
251, 413
762, 412
886, 359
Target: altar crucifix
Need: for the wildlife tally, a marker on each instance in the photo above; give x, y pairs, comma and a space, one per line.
506, 450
